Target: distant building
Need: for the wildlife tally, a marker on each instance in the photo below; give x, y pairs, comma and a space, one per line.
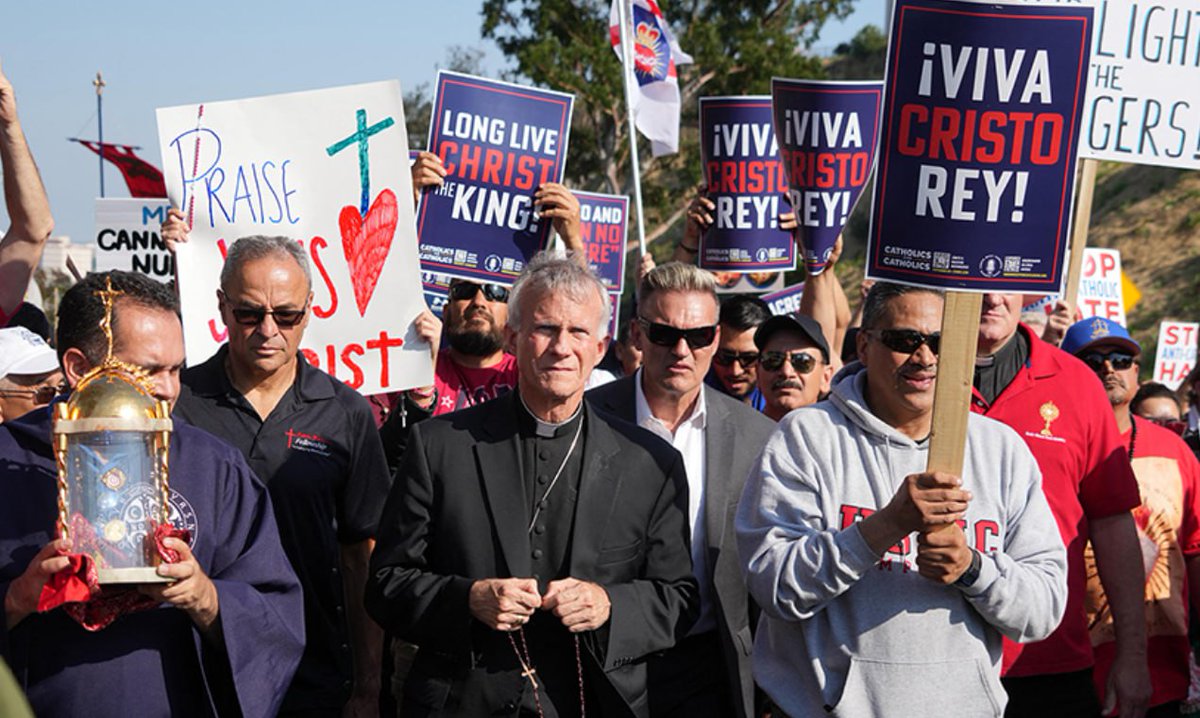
54, 257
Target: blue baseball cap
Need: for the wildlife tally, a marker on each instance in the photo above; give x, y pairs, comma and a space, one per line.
1087, 333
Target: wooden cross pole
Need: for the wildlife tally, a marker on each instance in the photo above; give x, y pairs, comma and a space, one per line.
1079, 229
955, 377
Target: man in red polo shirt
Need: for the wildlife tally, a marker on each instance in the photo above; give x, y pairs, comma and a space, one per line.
1168, 519
1059, 407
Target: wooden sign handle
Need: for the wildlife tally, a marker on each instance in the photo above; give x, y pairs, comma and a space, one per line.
955, 377
1079, 229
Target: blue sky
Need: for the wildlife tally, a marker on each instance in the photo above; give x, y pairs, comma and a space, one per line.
162, 54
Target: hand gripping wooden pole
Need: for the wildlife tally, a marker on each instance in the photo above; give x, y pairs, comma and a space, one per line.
955, 377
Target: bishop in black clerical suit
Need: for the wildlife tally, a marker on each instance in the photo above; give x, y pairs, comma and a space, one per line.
584, 504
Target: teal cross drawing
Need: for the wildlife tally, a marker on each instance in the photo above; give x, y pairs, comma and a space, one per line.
364, 159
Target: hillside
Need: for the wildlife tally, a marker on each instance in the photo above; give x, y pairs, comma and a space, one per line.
1152, 215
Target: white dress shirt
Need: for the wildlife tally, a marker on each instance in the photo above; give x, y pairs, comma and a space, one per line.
688, 439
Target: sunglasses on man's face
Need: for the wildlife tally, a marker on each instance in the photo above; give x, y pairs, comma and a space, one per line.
285, 318
726, 357
802, 362
907, 341
253, 316
467, 290
41, 395
665, 335
1120, 360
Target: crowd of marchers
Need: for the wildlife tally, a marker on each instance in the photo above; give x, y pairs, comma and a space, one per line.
718, 512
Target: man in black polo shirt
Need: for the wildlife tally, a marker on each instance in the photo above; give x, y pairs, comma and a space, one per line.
313, 441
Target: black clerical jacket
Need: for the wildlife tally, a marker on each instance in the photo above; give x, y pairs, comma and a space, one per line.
458, 513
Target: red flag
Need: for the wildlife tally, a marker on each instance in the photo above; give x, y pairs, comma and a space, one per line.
142, 178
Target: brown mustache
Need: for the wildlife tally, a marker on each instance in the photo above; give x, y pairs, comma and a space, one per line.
473, 311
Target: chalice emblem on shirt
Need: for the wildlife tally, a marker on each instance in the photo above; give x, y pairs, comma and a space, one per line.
1048, 412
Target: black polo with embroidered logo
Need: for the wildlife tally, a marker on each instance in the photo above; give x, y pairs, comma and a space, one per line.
320, 456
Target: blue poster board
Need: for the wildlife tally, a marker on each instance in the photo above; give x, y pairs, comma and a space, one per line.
744, 178
604, 223
827, 134
785, 301
980, 130
498, 142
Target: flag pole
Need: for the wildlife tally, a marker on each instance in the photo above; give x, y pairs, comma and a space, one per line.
99, 85
623, 14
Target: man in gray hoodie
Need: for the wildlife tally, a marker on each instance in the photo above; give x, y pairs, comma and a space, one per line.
860, 617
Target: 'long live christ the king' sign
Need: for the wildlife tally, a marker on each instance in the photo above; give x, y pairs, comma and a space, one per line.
980, 129
498, 142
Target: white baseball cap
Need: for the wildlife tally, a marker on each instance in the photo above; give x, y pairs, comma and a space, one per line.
23, 352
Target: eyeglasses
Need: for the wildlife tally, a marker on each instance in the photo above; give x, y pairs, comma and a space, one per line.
467, 290
908, 341
1120, 360
665, 335
726, 357
41, 395
802, 362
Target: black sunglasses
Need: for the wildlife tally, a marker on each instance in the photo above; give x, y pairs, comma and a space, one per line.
907, 341
42, 395
467, 290
253, 316
726, 357
665, 335
802, 362
1119, 360
286, 318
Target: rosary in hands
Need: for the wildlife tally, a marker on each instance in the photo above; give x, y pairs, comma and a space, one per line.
507, 604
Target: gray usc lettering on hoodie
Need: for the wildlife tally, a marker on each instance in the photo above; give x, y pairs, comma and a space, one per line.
847, 633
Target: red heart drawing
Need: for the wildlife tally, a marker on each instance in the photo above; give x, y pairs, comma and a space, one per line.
366, 244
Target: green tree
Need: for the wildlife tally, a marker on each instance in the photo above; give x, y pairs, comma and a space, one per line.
418, 101
737, 45
861, 58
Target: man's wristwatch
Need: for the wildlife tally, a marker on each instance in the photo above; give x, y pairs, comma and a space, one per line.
971, 575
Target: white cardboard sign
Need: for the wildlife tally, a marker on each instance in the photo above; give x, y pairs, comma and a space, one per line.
330, 169
127, 237
1176, 353
1100, 290
1143, 103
